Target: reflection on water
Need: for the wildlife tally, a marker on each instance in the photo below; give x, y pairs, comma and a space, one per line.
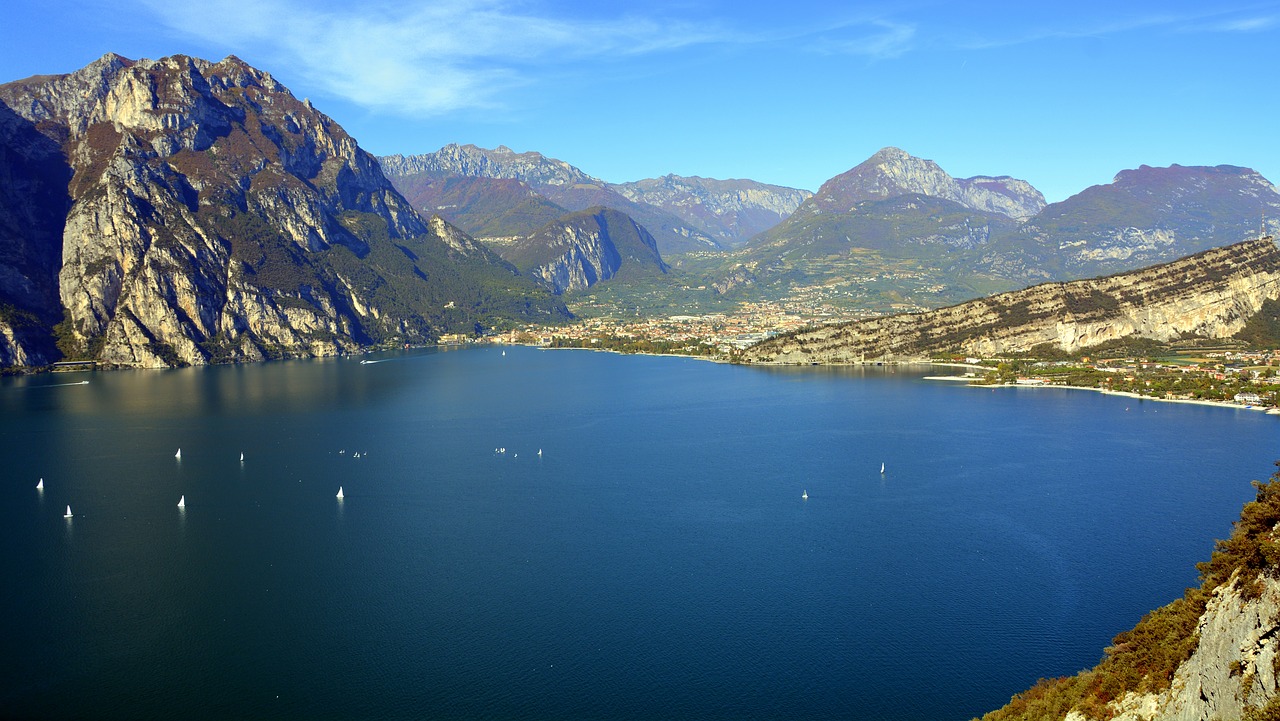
655, 560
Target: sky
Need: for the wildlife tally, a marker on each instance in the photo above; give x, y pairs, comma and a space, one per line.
1063, 95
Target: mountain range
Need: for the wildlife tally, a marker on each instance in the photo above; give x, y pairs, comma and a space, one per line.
182, 211
973, 236
186, 212
683, 214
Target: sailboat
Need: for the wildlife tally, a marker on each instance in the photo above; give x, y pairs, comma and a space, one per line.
539, 451
182, 502
40, 485
805, 495
242, 456
178, 455
68, 513
882, 467
340, 493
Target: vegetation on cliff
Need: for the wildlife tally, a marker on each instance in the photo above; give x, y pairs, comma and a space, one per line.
1145, 658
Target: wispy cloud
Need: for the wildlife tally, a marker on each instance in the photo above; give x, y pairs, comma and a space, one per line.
1217, 20
448, 56
886, 39
1245, 25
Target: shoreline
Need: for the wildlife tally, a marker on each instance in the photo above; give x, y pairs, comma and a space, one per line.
1104, 391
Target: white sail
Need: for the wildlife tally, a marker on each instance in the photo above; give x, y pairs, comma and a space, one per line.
340, 493
182, 502
882, 467
178, 455
68, 513
40, 485
242, 457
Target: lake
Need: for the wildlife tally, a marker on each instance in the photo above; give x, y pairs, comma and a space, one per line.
657, 560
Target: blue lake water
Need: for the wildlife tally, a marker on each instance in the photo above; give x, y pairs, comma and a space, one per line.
657, 561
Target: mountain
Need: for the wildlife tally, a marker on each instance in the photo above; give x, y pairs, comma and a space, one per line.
33, 207
555, 180
209, 215
1212, 293
731, 211
1144, 216
581, 249
892, 207
483, 207
892, 172
1211, 654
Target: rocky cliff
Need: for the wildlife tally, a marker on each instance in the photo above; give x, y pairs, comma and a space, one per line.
557, 181
1211, 294
1213, 654
581, 249
211, 216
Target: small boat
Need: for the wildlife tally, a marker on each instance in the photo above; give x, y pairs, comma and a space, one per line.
882, 468
504, 354
68, 513
364, 362
340, 496
539, 451
805, 495
178, 455
182, 502
242, 457
40, 485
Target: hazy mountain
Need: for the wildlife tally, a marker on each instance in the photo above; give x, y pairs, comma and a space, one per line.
210, 215
556, 180
1143, 216
584, 248
892, 172
731, 211
483, 207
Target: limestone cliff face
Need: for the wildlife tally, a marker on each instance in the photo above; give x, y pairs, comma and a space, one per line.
214, 216
1212, 293
581, 249
1232, 669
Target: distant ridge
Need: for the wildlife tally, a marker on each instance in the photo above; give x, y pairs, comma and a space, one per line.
1212, 293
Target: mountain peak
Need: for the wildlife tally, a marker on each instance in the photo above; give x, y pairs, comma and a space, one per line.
892, 172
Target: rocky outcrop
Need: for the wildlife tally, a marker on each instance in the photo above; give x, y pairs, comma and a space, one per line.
1211, 294
581, 249
1233, 666
213, 216
730, 210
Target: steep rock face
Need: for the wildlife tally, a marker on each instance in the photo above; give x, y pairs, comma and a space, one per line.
892, 172
213, 216
1212, 293
581, 249
730, 210
33, 207
556, 180
1232, 669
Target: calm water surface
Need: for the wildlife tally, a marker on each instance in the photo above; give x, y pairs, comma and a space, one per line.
657, 561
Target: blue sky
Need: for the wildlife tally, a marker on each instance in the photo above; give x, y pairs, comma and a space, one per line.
1063, 95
